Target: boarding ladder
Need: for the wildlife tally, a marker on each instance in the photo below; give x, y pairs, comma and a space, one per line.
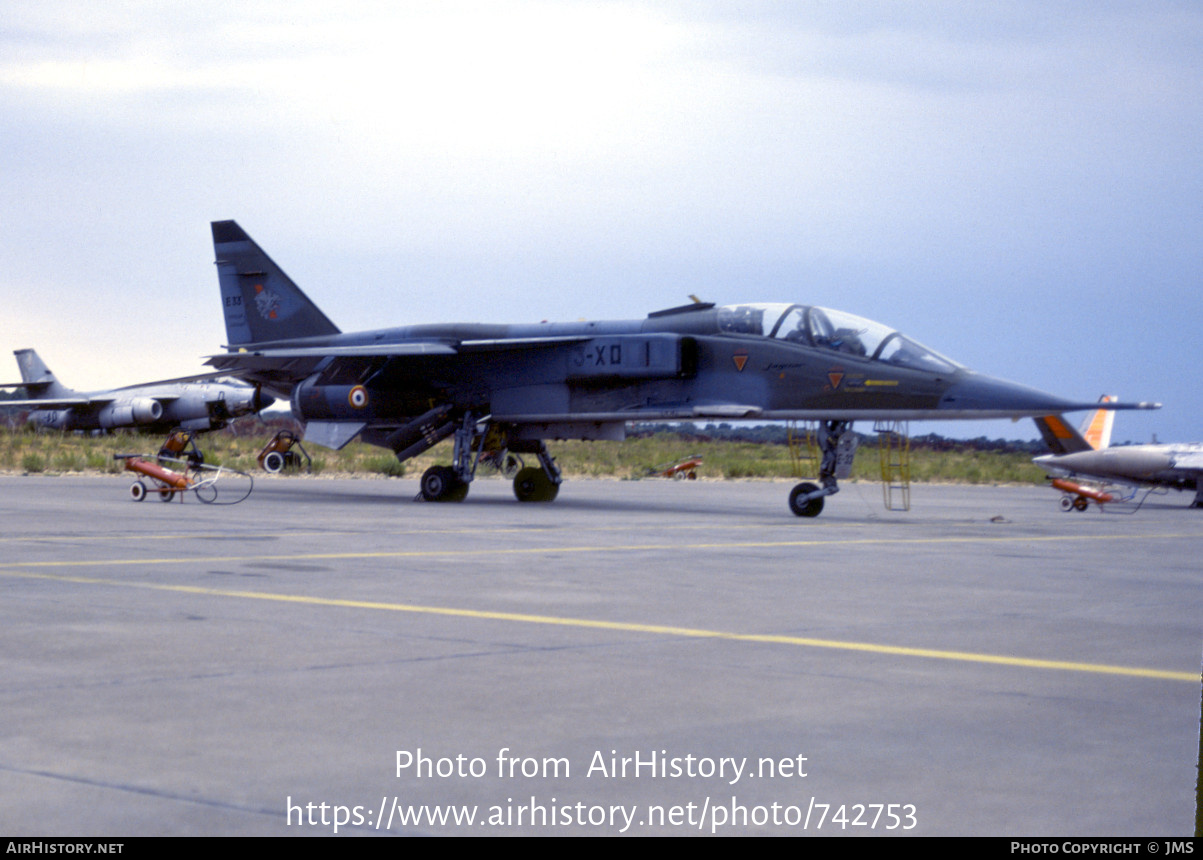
803, 443
894, 448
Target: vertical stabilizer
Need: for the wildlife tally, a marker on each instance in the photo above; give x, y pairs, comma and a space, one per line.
40, 383
1096, 429
1064, 439
260, 302
1059, 436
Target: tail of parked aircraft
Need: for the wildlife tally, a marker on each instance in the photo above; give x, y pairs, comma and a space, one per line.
1094, 435
37, 379
1097, 427
261, 303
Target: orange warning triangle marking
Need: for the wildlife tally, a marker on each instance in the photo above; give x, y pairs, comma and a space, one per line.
835, 379
740, 361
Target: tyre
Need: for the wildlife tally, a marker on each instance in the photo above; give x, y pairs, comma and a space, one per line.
273, 462
441, 484
532, 485
137, 491
800, 508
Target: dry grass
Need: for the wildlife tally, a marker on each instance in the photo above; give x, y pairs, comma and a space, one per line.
23, 451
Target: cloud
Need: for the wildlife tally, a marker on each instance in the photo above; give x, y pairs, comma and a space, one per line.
515, 159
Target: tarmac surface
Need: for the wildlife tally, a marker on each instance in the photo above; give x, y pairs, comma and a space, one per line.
647, 657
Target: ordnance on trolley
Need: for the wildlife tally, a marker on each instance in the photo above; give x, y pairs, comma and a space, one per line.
173, 476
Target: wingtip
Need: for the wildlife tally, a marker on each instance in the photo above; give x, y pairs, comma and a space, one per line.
1143, 404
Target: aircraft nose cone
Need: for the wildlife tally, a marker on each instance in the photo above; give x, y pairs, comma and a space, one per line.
261, 401
979, 393
1048, 462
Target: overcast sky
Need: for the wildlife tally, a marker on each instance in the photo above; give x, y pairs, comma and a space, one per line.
1018, 185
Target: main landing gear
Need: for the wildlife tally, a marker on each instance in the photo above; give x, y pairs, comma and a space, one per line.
441, 484
450, 483
533, 484
839, 449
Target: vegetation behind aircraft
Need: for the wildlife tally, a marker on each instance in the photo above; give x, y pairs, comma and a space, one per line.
729, 451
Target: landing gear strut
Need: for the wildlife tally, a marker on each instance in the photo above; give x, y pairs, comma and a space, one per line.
450, 483
472, 445
839, 449
538, 483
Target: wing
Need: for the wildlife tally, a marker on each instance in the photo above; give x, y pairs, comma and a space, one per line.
283, 367
63, 403
1192, 461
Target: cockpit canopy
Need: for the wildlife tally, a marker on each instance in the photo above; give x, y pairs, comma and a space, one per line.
833, 330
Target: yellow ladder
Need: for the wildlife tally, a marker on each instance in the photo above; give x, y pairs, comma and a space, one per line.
894, 448
803, 443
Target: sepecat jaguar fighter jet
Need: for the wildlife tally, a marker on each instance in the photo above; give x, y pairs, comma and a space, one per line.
505, 389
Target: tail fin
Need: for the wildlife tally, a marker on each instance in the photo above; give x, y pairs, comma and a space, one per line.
1097, 428
261, 303
1094, 435
39, 382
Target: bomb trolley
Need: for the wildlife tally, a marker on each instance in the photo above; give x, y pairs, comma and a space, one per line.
678, 470
278, 454
170, 477
1077, 496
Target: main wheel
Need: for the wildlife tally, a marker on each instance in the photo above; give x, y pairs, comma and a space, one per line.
532, 485
1081, 503
137, 491
441, 484
1067, 504
801, 508
165, 494
273, 462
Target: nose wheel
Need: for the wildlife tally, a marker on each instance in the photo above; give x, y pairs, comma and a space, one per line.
801, 504
806, 500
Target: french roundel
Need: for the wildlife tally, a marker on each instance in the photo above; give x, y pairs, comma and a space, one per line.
358, 397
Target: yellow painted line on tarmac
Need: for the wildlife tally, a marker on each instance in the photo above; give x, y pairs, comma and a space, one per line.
494, 551
630, 627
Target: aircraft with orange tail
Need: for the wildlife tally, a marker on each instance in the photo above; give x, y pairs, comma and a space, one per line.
1085, 468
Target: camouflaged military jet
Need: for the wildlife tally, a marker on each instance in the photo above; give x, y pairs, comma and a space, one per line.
148, 406
503, 390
